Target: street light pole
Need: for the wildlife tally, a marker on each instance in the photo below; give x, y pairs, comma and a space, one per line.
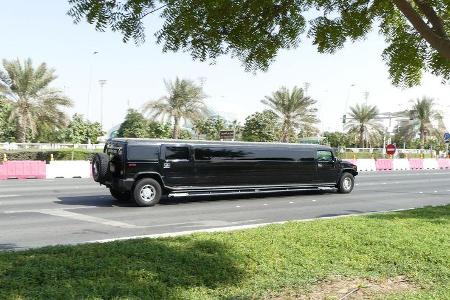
102, 83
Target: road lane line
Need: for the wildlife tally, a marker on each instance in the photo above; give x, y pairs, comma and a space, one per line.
79, 217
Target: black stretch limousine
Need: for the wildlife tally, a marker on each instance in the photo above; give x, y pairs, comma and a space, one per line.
144, 169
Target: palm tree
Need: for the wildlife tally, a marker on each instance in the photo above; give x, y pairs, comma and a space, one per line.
294, 109
184, 101
422, 115
363, 123
32, 101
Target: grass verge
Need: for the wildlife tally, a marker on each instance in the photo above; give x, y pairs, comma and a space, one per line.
267, 262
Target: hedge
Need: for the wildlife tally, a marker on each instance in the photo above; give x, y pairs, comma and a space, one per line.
67, 154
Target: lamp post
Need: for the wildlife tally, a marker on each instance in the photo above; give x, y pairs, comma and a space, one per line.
102, 83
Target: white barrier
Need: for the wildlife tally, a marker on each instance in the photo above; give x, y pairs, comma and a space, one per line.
401, 164
430, 163
366, 164
68, 169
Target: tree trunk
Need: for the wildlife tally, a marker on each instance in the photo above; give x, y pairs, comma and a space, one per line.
21, 131
361, 136
176, 128
422, 138
285, 132
440, 43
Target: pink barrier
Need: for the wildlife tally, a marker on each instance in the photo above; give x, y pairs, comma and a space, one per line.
443, 163
384, 164
22, 170
416, 163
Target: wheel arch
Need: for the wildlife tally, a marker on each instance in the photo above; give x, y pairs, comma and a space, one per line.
152, 175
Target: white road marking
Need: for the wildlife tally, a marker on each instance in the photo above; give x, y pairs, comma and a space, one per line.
79, 217
420, 192
238, 206
314, 200
290, 202
435, 191
9, 196
265, 204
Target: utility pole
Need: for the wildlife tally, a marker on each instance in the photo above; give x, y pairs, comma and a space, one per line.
102, 83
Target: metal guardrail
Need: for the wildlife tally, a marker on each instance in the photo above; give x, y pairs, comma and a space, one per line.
49, 146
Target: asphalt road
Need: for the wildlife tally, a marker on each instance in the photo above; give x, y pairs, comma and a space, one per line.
36, 213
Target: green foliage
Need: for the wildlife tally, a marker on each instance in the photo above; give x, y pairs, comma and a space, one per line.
160, 130
295, 110
136, 125
211, 127
80, 131
256, 31
7, 128
261, 127
183, 102
363, 123
422, 115
262, 263
337, 139
33, 103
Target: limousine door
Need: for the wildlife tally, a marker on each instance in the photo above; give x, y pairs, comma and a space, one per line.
327, 170
177, 165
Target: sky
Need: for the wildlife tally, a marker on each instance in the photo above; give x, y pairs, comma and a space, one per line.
42, 31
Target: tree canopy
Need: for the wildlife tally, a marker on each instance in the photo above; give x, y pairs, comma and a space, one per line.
32, 101
416, 31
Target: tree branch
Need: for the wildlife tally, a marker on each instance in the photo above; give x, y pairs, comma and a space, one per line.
432, 16
152, 11
440, 44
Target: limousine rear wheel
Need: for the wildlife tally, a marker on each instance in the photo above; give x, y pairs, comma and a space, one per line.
147, 192
346, 183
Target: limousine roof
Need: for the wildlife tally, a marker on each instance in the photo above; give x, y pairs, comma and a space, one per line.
216, 143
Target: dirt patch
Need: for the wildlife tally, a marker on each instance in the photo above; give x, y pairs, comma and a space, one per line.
353, 289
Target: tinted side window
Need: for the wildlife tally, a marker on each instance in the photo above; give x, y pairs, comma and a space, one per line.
324, 155
173, 152
143, 152
216, 153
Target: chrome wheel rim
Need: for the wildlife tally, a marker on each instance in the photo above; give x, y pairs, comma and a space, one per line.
148, 193
347, 183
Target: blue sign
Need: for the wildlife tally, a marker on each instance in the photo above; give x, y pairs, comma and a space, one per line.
446, 136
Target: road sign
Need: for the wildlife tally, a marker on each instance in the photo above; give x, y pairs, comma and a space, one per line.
390, 149
447, 137
226, 134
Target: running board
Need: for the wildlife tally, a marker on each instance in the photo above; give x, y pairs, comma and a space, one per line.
245, 191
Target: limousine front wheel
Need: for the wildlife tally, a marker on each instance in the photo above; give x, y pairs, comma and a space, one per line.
346, 183
147, 192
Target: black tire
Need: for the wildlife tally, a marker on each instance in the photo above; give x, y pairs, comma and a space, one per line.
346, 183
120, 196
152, 192
100, 164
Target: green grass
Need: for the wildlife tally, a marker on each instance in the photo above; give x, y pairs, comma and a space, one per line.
254, 263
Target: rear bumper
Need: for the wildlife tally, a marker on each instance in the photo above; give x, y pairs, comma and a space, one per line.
122, 185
